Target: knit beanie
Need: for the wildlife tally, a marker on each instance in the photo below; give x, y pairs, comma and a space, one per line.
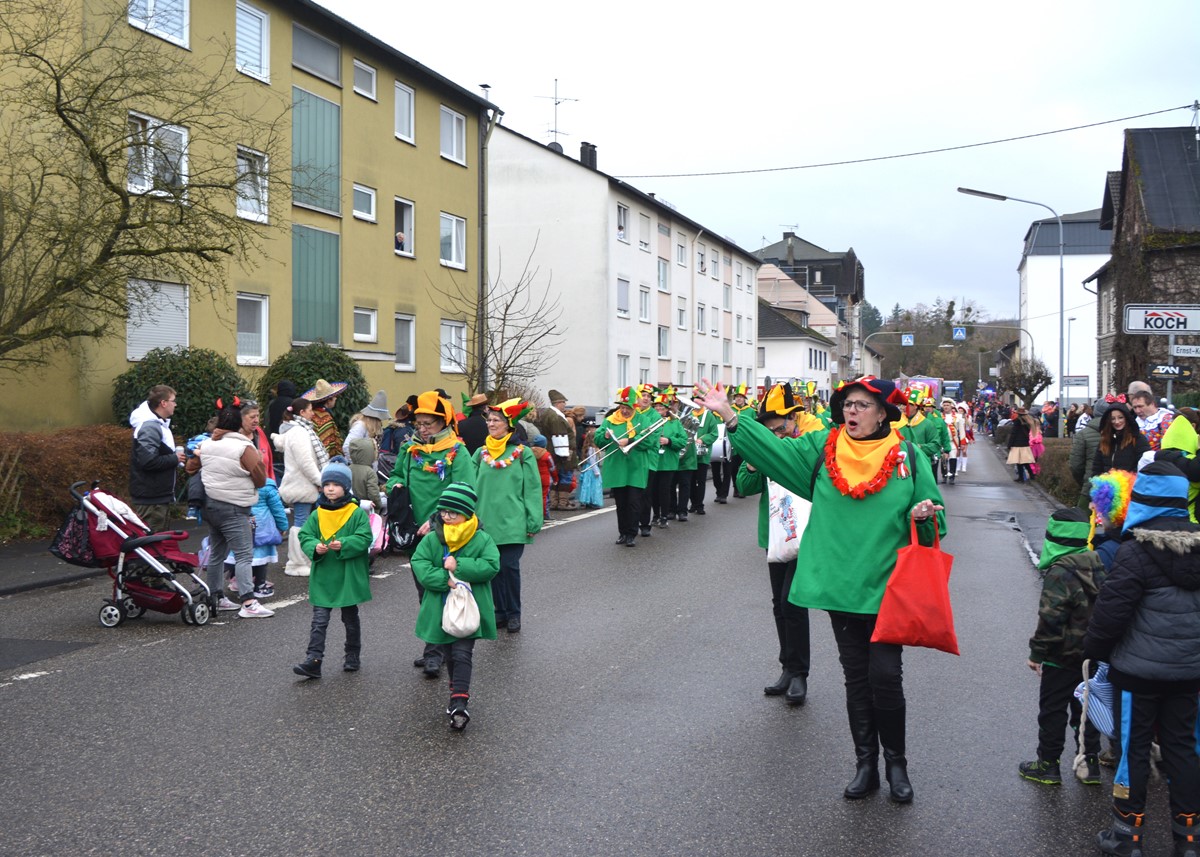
1068, 531
1160, 491
458, 497
337, 473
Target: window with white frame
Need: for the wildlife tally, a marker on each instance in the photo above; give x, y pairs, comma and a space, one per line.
748, 333
316, 55
726, 352
364, 202
701, 325
251, 185
364, 79
253, 42
714, 260
622, 370
680, 373
622, 222
737, 276
664, 230
737, 328
681, 313
623, 297
167, 19
738, 375
404, 221
454, 241
643, 370
644, 304
680, 249
701, 370
714, 321
701, 256
762, 357
453, 351
816, 276
366, 324
252, 330
406, 357
727, 297
157, 317
750, 281
664, 274
157, 156
644, 232
404, 113
664, 341
454, 136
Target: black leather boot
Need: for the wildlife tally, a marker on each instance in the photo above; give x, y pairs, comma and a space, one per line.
891, 736
797, 690
866, 751
778, 688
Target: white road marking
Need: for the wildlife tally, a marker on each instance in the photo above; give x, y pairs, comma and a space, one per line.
28, 676
549, 525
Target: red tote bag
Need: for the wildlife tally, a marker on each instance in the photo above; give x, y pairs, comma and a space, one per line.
915, 610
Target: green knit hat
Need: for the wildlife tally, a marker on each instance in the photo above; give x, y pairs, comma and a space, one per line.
1068, 531
458, 497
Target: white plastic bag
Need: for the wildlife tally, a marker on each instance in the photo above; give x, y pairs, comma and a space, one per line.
460, 613
788, 517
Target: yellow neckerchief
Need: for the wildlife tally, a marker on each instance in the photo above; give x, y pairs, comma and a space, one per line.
616, 419
442, 441
860, 460
458, 535
806, 422
637, 410
699, 413
918, 418
900, 423
495, 446
332, 520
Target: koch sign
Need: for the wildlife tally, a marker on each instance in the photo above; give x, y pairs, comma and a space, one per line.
1167, 318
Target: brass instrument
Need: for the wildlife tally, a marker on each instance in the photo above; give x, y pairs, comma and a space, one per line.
636, 440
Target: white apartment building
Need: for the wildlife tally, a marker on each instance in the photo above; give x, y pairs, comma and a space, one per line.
648, 294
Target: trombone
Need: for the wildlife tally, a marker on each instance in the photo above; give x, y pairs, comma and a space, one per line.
636, 440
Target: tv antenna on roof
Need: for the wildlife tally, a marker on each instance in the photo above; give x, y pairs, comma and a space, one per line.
793, 226
557, 101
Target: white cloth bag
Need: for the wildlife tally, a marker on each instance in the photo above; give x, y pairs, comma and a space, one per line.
298, 563
460, 613
788, 518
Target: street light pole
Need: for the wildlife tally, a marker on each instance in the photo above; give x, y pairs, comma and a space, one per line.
1069, 320
1061, 290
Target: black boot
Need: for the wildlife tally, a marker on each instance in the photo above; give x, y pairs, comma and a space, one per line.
866, 751
780, 686
1186, 835
797, 690
1124, 837
891, 736
311, 668
457, 710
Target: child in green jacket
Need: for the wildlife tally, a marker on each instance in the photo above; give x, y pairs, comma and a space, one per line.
337, 537
456, 546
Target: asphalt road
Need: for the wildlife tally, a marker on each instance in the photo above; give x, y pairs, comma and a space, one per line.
626, 718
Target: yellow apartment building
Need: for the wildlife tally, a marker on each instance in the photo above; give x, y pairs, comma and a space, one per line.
379, 249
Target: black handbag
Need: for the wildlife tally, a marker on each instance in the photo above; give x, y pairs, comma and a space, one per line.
72, 544
402, 523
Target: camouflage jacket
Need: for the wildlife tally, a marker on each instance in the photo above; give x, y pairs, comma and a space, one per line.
1069, 590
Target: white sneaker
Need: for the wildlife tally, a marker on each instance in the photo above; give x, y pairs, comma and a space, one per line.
225, 604
254, 610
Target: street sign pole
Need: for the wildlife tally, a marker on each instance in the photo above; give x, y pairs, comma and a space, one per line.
1170, 362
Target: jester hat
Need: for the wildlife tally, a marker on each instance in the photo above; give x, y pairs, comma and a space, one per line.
881, 389
916, 394
1068, 531
627, 396
779, 401
512, 410
432, 403
738, 390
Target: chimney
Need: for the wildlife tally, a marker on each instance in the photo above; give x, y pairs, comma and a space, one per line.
791, 251
587, 155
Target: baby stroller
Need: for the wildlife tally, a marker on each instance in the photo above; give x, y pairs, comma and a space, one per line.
103, 532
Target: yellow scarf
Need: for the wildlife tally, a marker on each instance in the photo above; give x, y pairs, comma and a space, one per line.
616, 419
332, 520
918, 418
446, 440
458, 535
860, 460
495, 446
900, 423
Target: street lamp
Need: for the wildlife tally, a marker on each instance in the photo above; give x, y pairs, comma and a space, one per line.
1061, 299
1069, 320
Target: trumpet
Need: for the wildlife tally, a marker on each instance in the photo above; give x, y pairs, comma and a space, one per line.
636, 440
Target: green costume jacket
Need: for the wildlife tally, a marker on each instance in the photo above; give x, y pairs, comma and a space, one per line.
926, 436
848, 550
339, 578
667, 457
425, 486
478, 562
510, 497
621, 470
648, 447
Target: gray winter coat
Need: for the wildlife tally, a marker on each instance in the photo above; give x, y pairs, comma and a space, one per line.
1083, 455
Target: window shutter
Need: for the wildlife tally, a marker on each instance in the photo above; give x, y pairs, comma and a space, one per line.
157, 317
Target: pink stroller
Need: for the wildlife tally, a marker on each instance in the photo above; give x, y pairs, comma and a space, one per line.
104, 532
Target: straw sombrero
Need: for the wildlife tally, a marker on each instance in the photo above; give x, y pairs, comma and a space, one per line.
324, 390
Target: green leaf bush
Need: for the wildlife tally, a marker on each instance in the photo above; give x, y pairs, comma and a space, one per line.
198, 375
304, 366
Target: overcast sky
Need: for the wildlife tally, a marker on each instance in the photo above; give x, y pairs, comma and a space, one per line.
688, 88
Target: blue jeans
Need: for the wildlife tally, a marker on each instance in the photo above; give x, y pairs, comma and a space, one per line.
229, 530
300, 513
506, 585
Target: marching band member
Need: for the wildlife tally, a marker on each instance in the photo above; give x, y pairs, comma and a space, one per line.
670, 444
645, 417
623, 474
742, 407
706, 433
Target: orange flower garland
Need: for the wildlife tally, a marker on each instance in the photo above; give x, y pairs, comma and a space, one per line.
873, 485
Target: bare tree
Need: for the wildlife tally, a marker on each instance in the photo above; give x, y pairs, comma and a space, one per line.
1026, 379
119, 169
522, 330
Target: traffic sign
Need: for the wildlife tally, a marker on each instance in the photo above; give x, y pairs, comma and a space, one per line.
1185, 351
1162, 370
1075, 380
906, 339
960, 333
1162, 318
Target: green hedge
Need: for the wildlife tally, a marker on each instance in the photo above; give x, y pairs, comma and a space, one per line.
199, 377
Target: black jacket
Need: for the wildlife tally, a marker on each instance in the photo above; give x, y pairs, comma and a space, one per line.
1122, 458
286, 392
473, 429
1018, 433
152, 466
1146, 622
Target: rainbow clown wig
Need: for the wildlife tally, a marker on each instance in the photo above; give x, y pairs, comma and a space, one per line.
1110, 497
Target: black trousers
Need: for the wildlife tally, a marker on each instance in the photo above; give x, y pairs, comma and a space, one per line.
458, 664
1057, 704
320, 625
722, 476
682, 490
735, 462
506, 586
874, 672
699, 486
432, 650
791, 622
1135, 715
649, 499
628, 501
